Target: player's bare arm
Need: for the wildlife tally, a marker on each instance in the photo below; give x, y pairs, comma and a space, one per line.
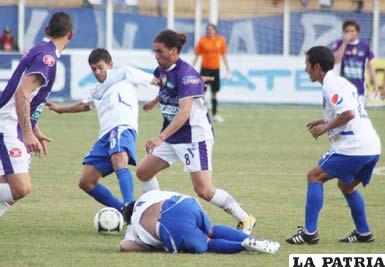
155, 81
73, 108
23, 98
43, 139
340, 120
348, 37
372, 74
185, 106
131, 246
311, 124
148, 106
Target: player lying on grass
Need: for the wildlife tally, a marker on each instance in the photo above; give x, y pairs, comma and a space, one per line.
169, 221
116, 103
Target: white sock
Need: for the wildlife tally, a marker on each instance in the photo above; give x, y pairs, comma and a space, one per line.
225, 201
149, 185
5, 193
3, 208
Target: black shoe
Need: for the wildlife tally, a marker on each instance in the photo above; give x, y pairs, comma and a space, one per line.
301, 237
355, 237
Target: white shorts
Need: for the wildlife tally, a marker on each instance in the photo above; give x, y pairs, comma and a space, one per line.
13, 156
195, 156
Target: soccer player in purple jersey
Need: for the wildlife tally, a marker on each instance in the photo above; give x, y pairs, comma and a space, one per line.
187, 133
354, 55
21, 103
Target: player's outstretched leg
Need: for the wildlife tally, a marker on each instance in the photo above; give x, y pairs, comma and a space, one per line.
228, 240
224, 200
205, 189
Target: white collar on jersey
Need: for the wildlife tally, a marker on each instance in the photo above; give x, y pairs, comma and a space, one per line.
45, 39
355, 42
171, 67
329, 74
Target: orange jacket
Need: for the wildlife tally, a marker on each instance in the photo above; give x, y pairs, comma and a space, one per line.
211, 48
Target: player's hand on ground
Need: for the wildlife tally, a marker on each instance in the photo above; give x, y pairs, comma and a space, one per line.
317, 131
32, 144
153, 143
149, 105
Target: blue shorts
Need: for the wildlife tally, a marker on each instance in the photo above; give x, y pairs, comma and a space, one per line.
348, 168
184, 226
117, 140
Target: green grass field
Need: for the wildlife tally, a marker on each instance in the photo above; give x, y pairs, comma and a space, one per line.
261, 156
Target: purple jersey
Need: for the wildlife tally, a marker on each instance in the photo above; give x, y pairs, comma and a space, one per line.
180, 81
353, 63
41, 59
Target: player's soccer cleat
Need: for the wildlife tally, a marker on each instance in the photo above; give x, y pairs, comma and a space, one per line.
301, 237
355, 237
254, 244
218, 118
247, 225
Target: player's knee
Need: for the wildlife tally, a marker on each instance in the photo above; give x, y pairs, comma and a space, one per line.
21, 191
142, 174
311, 176
119, 161
86, 184
204, 193
345, 189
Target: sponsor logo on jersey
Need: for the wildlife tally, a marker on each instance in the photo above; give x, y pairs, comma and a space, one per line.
337, 99
49, 60
170, 85
190, 79
15, 152
361, 53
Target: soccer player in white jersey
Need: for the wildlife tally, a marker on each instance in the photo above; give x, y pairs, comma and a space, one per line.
161, 220
21, 103
116, 103
355, 149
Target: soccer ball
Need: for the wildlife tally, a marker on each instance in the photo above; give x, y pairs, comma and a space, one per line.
108, 221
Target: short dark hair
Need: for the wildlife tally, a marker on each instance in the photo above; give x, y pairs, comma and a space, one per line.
99, 54
59, 25
349, 22
128, 211
211, 25
321, 55
171, 39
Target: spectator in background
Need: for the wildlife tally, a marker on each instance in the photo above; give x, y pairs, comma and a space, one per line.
359, 5
7, 41
354, 55
212, 46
